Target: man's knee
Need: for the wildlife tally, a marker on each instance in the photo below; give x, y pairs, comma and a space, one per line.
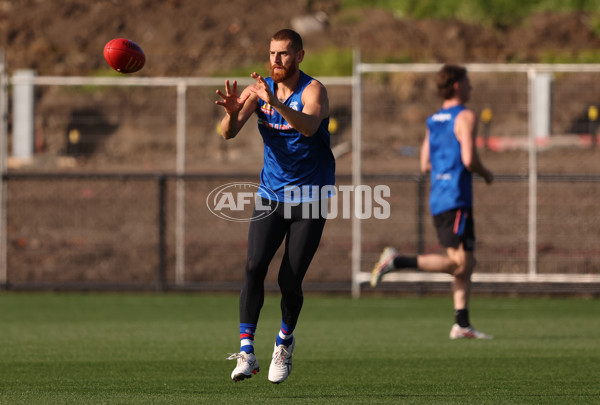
464, 267
256, 269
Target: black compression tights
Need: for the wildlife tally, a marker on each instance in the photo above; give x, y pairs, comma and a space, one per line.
302, 237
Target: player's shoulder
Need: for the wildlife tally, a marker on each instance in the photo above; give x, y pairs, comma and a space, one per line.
315, 91
466, 115
317, 86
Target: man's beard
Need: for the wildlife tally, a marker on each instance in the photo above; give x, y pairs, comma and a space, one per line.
283, 73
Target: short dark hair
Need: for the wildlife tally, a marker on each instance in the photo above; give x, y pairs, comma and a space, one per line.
291, 35
446, 77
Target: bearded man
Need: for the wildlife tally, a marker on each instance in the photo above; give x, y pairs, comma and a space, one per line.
292, 112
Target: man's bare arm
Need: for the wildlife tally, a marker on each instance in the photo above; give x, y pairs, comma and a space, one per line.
465, 130
237, 109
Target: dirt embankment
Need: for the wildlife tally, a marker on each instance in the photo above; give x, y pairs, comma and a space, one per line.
188, 38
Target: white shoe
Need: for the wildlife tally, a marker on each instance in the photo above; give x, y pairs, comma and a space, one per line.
281, 364
246, 366
469, 332
384, 265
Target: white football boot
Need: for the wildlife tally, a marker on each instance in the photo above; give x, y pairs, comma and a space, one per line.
384, 265
281, 364
469, 332
246, 366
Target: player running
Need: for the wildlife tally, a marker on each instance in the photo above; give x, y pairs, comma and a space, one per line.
449, 153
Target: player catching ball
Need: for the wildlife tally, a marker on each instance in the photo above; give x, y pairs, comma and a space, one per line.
449, 153
292, 110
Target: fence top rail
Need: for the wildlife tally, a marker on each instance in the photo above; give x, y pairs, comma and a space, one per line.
122, 176
124, 80
479, 67
592, 178
326, 80
148, 81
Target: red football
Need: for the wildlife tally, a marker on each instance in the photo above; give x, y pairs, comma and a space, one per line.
124, 56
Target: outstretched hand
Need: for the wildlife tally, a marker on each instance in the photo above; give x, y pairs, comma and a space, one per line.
261, 89
231, 102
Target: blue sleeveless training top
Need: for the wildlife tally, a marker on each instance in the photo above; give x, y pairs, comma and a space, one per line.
290, 158
451, 182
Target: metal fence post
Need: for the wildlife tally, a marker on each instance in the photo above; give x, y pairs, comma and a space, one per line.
532, 209
3, 158
23, 105
356, 170
162, 244
180, 204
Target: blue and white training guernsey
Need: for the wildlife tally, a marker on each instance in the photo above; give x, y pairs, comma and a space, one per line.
292, 160
451, 182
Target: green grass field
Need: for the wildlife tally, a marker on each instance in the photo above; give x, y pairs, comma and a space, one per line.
171, 349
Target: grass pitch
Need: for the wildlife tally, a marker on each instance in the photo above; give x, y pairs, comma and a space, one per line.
171, 349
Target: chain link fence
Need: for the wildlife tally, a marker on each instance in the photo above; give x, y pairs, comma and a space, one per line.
112, 199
